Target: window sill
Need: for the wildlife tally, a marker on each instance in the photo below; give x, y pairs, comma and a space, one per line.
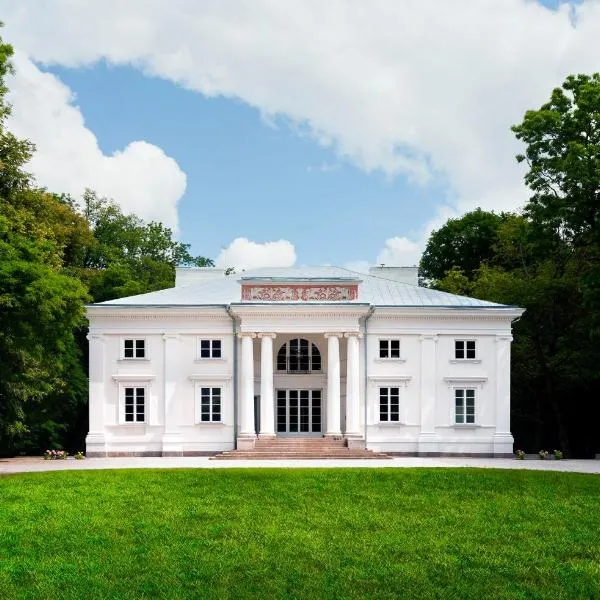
211, 423
390, 423
140, 360
390, 360
466, 426
473, 361
201, 360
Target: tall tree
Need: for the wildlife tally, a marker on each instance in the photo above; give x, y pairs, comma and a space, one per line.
461, 243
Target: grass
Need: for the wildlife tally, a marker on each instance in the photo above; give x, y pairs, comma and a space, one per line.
347, 533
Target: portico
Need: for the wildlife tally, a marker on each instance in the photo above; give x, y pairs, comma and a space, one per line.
306, 376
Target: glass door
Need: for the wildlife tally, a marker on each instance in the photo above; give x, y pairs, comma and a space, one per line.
298, 411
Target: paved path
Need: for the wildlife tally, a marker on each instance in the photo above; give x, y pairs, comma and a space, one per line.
34, 464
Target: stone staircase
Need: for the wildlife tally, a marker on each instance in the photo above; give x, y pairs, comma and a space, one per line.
293, 448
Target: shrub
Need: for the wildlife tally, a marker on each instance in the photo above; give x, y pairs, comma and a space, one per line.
520, 455
55, 455
79, 455
558, 454
543, 454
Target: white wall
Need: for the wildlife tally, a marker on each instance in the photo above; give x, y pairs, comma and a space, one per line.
180, 329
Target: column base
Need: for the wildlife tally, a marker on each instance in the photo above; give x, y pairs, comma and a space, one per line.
503, 445
334, 435
95, 445
355, 441
172, 444
267, 436
427, 445
246, 442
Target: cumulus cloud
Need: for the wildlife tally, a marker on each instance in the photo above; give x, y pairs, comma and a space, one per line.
245, 254
419, 88
141, 177
399, 252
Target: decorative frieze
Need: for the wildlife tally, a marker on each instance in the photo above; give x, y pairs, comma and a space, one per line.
300, 293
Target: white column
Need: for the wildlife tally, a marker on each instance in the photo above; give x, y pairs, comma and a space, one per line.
172, 439
353, 386
503, 440
333, 384
95, 442
267, 408
427, 437
247, 433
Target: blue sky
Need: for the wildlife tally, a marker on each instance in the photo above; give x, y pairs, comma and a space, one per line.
247, 176
347, 131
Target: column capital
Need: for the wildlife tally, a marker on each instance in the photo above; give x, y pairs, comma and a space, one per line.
97, 337
267, 335
333, 334
504, 337
356, 334
171, 336
429, 337
243, 334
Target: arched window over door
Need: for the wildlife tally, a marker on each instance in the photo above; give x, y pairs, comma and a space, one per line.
299, 356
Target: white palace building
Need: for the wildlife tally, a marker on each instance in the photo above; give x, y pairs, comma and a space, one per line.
221, 361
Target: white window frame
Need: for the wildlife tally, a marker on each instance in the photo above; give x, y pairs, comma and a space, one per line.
135, 339
465, 389
123, 385
211, 340
199, 385
464, 341
389, 358
389, 421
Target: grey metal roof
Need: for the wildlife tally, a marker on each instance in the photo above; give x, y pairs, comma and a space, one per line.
374, 290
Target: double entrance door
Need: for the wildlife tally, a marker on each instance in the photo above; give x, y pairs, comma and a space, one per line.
298, 411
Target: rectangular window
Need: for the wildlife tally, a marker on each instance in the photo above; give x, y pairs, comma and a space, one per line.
389, 348
464, 406
135, 405
389, 404
134, 348
464, 349
210, 405
211, 349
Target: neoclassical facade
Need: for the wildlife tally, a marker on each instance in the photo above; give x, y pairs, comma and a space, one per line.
218, 361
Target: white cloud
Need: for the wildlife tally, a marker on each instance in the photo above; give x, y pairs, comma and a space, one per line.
141, 177
399, 252
416, 88
245, 254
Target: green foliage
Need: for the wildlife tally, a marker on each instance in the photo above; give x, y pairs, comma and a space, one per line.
129, 256
53, 253
300, 533
461, 244
548, 261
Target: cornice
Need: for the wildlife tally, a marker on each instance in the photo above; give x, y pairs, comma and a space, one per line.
135, 313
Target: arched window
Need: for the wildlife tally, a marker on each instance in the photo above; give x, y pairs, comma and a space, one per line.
299, 356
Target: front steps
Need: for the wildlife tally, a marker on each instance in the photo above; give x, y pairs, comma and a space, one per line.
293, 448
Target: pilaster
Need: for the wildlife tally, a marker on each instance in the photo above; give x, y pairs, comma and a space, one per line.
172, 438
95, 441
428, 443
503, 439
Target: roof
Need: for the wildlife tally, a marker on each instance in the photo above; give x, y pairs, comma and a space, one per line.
374, 290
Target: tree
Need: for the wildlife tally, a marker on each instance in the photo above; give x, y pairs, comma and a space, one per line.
462, 243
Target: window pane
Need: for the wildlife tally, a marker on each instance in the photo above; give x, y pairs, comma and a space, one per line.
459, 349
216, 416
394, 348
471, 349
216, 392
383, 349
140, 348
281, 356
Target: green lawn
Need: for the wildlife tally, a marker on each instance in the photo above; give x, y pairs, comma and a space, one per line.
263, 533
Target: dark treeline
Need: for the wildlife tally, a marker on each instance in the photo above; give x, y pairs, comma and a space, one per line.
56, 255
546, 258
